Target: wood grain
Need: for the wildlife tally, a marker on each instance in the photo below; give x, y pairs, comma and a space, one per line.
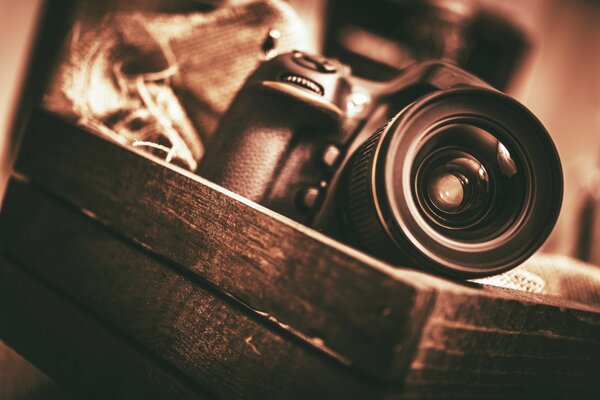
480, 347
267, 262
176, 264
211, 339
72, 345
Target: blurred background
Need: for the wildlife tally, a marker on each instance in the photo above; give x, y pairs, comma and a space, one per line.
546, 53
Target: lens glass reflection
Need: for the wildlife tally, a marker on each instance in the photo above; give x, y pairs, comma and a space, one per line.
446, 192
467, 183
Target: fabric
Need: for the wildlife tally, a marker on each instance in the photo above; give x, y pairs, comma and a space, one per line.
162, 81
553, 275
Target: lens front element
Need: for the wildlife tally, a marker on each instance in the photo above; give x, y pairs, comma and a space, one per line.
461, 158
446, 191
465, 182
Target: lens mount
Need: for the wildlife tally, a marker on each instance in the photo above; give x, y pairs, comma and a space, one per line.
465, 181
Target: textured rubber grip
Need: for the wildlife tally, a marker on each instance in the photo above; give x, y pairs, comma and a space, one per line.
364, 224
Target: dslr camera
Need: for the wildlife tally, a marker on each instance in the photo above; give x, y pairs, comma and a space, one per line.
433, 169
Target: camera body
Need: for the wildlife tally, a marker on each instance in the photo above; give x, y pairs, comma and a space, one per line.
291, 130
305, 138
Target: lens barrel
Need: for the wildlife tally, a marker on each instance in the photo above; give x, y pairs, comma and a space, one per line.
466, 182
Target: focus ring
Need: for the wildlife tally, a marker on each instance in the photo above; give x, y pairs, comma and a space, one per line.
360, 213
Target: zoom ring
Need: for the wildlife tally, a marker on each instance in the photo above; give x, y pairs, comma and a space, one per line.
360, 211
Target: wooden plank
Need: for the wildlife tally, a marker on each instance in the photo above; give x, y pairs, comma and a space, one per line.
480, 347
80, 350
210, 338
475, 344
269, 263
367, 314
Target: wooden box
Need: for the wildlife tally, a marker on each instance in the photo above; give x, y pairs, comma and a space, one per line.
125, 277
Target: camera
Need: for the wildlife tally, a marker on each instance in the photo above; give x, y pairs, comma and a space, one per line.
433, 169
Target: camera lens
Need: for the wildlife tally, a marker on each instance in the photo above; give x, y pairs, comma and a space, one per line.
446, 191
467, 184
465, 181
452, 188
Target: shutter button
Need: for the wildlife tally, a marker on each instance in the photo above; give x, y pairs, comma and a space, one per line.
315, 63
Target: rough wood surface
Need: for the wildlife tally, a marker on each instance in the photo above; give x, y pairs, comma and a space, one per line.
479, 347
98, 215
475, 343
338, 302
211, 339
75, 346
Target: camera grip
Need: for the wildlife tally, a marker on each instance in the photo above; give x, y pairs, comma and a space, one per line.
255, 138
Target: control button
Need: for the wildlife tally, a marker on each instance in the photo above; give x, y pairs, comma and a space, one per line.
330, 155
315, 63
357, 102
309, 197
